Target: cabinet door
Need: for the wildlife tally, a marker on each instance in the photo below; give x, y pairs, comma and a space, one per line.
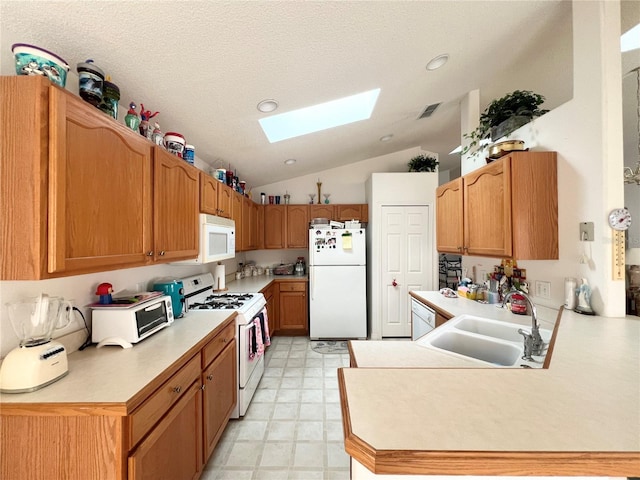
275, 224
259, 227
254, 225
173, 450
297, 226
224, 201
534, 207
294, 310
449, 217
99, 189
208, 194
176, 207
220, 396
487, 210
271, 294
352, 212
249, 224
236, 216
321, 211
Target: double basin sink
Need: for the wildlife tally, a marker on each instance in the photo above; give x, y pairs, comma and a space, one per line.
492, 342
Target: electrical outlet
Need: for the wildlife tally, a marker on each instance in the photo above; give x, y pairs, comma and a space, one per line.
543, 289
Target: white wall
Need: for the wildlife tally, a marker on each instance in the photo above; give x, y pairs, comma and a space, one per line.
586, 133
394, 189
345, 184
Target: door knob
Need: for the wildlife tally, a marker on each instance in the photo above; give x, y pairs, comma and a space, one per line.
394, 283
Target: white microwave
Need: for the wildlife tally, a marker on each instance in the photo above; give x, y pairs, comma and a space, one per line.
217, 240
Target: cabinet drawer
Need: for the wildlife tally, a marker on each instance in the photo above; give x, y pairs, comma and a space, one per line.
159, 403
293, 286
215, 346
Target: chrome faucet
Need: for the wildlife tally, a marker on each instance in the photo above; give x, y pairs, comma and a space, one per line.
533, 343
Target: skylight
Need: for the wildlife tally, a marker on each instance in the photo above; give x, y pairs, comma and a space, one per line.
320, 117
630, 40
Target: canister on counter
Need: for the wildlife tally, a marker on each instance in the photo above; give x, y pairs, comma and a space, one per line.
518, 304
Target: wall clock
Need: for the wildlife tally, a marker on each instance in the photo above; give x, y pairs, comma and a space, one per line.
620, 219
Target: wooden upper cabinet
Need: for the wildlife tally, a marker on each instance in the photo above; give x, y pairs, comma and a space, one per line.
297, 226
275, 226
209, 194
249, 224
449, 217
236, 216
99, 187
176, 207
487, 208
509, 208
352, 212
225, 194
321, 211
76, 187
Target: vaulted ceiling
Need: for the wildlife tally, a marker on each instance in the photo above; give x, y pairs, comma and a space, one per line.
205, 65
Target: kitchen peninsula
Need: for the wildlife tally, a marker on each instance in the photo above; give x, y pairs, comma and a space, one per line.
403, 413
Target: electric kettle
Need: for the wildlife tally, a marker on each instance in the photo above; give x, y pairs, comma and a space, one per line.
37, 361
175, 289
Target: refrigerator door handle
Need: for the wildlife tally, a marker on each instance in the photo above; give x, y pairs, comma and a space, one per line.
312, 280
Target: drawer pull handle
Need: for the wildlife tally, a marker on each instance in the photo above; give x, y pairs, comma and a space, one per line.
150, 253
209, 377
162, 252
177, 389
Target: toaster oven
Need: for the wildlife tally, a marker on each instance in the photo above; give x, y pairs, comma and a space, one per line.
127, 325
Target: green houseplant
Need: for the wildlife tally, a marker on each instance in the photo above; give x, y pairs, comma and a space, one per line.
506, 114
423, 163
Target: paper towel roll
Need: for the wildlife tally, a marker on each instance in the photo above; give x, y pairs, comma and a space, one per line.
218, 277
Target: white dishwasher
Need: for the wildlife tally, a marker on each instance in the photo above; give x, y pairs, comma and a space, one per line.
423, 319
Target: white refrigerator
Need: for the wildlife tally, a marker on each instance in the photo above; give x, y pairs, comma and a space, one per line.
337, 283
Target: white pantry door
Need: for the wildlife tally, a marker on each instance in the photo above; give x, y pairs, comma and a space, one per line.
407, 259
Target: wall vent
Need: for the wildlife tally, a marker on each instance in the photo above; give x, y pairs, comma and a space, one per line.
429, 110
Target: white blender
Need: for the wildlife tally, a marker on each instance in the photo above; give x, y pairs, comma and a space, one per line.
37, 361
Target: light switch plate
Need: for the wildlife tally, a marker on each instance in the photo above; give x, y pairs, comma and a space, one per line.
586, 231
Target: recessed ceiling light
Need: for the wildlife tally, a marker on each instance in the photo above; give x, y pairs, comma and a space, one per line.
438, 61
386, 138
290, 161
266, 106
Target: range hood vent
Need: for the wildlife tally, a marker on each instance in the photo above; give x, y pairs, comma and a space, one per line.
429, 110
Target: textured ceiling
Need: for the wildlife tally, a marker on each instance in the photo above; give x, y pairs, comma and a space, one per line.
205, 66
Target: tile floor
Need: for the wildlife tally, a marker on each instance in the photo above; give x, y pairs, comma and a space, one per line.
293, 428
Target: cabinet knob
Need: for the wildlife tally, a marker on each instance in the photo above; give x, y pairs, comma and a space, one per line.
150, 253
177, 389
209, 377
202, 386
162, 252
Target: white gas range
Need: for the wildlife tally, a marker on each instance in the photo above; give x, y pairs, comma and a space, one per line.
200, 299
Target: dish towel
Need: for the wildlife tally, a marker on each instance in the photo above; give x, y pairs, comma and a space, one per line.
259, 337
264, 325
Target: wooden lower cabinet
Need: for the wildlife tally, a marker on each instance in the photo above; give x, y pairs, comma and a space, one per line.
272, 295
173, 450
168, 434
220, 394
293, 309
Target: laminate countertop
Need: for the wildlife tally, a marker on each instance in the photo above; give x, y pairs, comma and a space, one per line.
115, 375
258, 282
410, 410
